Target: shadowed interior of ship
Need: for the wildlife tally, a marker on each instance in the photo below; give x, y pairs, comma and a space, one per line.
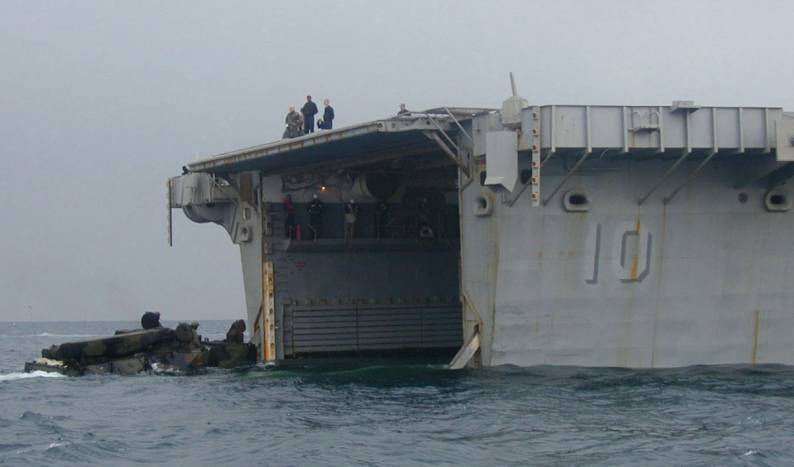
386, 284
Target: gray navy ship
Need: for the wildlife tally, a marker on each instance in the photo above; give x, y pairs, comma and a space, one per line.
628, 236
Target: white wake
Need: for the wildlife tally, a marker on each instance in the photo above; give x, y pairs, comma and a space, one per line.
32, 374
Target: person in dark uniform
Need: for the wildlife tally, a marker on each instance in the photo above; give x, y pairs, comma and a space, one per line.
327, 121
150, 320
236, 332
351, 216
309, 110
315, 216
425, 219
403, 111
289, 217
425, 210
382, 219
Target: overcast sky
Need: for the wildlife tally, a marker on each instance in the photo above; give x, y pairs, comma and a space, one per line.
100, 102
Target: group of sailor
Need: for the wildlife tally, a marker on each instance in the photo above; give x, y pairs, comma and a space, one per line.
315, 211
424, 222
302, 123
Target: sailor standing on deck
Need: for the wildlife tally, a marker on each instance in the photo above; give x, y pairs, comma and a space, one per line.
327, 122
425, 219
309, 110
315, 216
293, 121
351, 215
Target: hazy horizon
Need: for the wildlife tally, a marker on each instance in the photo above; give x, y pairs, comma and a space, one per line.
102, 101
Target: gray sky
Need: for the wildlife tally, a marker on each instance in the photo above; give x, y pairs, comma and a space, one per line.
100, 102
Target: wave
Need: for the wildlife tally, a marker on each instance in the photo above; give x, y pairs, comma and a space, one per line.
32, 374
57, 445
160, 369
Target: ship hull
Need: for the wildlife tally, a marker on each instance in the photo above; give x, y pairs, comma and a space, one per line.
703, 279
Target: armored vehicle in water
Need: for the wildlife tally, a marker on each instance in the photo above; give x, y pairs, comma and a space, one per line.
602, 235
152, 348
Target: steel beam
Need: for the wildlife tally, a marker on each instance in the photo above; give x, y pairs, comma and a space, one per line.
510, 202
443, 133
566, 177
659, 183
689, 178
460, 127
449, 152
465, 353
543, 162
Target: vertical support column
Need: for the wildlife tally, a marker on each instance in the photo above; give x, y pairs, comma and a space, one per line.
268, 326
587, 132
660, 123
715, 144
169, 205
741, 130
688, 130
267, 311
535, 149
625, 122
260, 328
767, 144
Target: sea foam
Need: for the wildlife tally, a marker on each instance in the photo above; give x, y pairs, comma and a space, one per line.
32, 374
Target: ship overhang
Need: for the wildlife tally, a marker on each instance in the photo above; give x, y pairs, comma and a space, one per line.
363, 143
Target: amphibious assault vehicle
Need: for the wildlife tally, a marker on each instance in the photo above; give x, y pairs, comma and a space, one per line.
152, 348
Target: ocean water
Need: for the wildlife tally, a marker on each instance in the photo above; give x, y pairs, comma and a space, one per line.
387, 413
